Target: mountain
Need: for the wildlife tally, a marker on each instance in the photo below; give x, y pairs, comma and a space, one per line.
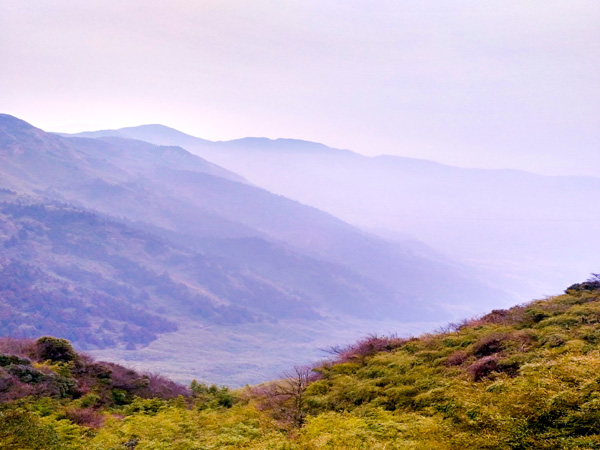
158, 134
530, 233
101, 283
157, 230
178, 196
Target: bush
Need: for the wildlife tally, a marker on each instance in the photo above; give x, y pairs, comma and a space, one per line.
554, 340
87, 417
18, 347
26, 374
483, 367
488, 345
591, 284
54, 349
7, 360
20, 429
6, 381
456, 358
368, 346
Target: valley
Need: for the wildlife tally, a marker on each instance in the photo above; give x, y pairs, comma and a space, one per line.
130, 246
521, 230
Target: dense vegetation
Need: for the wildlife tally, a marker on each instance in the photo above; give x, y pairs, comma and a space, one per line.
527, 377
101, 283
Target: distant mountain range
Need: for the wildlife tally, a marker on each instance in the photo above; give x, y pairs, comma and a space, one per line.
113, 242
533, 234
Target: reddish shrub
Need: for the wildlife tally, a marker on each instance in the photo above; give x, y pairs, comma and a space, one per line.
489, 344
122, 377
18, 347
483, 367
497, 342
496, 316
161, 387
14, 389
6, 380
487, 365
111, 382
87, 417
368, 346
510, 316
284, 398
149, 385
456, 358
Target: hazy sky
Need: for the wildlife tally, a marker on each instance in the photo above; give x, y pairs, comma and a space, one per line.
486, 83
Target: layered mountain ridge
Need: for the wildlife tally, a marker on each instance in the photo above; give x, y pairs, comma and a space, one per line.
523, 229
163, 232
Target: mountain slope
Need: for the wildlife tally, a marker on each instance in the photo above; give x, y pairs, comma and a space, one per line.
519, 378
120, 179
192, 245
84, 257
523, 229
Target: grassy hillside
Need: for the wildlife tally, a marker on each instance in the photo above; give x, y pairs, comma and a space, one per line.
521, 378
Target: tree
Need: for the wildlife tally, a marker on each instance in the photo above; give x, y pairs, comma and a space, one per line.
285, 398
55, 349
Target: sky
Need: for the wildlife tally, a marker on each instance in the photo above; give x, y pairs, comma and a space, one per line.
471, 83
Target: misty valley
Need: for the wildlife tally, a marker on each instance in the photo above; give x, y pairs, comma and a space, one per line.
156, 288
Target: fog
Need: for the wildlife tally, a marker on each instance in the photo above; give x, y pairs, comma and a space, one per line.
495, 84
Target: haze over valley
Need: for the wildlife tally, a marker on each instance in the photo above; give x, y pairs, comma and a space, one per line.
522, 230
149, 241
136, 242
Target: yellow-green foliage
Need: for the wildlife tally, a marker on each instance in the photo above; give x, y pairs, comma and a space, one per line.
180, 428
525, 378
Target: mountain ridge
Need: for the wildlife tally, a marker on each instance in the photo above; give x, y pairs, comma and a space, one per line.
236, 253
520, 228
265, 143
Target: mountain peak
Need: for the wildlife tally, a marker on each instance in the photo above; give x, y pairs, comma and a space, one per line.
16, 135
154, 133
12, 123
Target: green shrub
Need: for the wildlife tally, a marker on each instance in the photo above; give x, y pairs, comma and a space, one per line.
55, 349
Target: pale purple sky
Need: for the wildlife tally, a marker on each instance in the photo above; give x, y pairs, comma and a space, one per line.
494, 83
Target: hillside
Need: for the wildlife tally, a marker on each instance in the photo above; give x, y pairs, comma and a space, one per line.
170, 189
154, 249
101, 283
526, 377
512, 224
